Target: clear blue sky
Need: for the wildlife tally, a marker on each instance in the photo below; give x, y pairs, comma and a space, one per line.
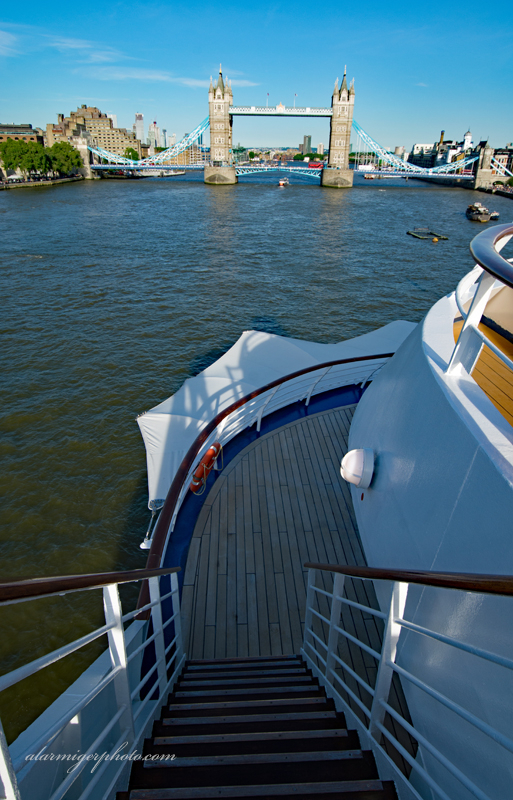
417, 68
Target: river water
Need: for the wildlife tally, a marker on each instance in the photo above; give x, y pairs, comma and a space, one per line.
113, 292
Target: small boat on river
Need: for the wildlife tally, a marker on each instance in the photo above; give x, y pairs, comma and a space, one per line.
478, 213
283, 182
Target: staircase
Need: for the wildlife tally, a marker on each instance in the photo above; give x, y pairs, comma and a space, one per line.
253, 727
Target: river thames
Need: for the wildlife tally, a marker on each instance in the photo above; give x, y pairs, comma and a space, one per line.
114, 292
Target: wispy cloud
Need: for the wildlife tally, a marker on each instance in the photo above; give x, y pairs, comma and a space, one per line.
236, 82
424, 85
8, 44
121, 73
92, 52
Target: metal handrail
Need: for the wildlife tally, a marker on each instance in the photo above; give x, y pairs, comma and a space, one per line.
495, 268
331, 671
30, 588
483, 250
470, 582
181, 476
120, 676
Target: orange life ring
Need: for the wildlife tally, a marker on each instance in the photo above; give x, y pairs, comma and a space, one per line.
204, 467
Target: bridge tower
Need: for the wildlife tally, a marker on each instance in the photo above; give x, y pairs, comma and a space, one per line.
337, 173
220, 98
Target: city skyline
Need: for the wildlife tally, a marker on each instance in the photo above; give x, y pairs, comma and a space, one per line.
413, 76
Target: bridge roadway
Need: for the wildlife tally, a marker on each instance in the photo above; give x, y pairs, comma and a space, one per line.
279, 111
306, 172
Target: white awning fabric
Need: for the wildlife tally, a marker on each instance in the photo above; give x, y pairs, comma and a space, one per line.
256, 359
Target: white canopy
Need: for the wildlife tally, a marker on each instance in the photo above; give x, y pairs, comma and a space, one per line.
255, 359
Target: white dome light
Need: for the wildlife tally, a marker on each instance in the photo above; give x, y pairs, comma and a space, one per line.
357, 467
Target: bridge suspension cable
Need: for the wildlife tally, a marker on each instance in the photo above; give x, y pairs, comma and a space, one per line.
372, 148
166, 155
369, 153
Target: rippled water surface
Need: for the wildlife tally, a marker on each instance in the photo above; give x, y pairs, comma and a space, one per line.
114, 292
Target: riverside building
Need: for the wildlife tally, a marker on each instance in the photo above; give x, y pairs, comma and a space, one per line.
88, 122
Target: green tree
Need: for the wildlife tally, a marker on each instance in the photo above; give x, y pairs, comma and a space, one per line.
35, 159
64, 158
298, 157
131, 153
510, 182
12, 152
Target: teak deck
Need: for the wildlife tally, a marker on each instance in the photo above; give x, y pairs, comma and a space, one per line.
491, 374
280, 503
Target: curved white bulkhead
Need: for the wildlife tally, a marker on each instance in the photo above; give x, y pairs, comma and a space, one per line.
442, 499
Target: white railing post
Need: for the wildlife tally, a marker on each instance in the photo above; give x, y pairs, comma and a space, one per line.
388, 653
156, 618
310, 596
8, 781
117, 648
264, 406
336, 606
175, 598
465, 352
314, 384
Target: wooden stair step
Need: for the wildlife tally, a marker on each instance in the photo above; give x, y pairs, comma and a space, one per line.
243, 673
254, 769
242, 660
255, 758
244, 665
236, 704
186, 684
309, 791
271, 723
273, 736
258, 690
303, 716
246, 743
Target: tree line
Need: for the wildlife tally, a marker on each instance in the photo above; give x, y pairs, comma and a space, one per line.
31, 157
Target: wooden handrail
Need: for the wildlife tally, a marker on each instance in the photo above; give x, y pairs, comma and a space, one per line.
483, 250
470, 582
168, 510
37, 587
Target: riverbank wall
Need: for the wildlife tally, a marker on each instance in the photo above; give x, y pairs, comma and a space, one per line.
39, 184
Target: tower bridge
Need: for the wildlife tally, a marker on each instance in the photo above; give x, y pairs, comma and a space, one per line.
219, 167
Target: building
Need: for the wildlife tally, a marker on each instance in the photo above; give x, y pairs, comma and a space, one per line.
307, 144
422, 155
220, 98
342, 103
504, 155
320, 149
114, 118
138, 126
88, 122
153, 134
445, 151
23, 133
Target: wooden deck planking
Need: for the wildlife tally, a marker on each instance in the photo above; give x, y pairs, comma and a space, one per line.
491, 374
279, 503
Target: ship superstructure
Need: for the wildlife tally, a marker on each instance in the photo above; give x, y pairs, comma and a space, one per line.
298, 635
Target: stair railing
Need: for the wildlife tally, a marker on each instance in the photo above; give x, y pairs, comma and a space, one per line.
109, 709
368, 711
496, 272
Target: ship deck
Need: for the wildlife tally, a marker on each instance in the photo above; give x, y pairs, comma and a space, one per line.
280, 503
